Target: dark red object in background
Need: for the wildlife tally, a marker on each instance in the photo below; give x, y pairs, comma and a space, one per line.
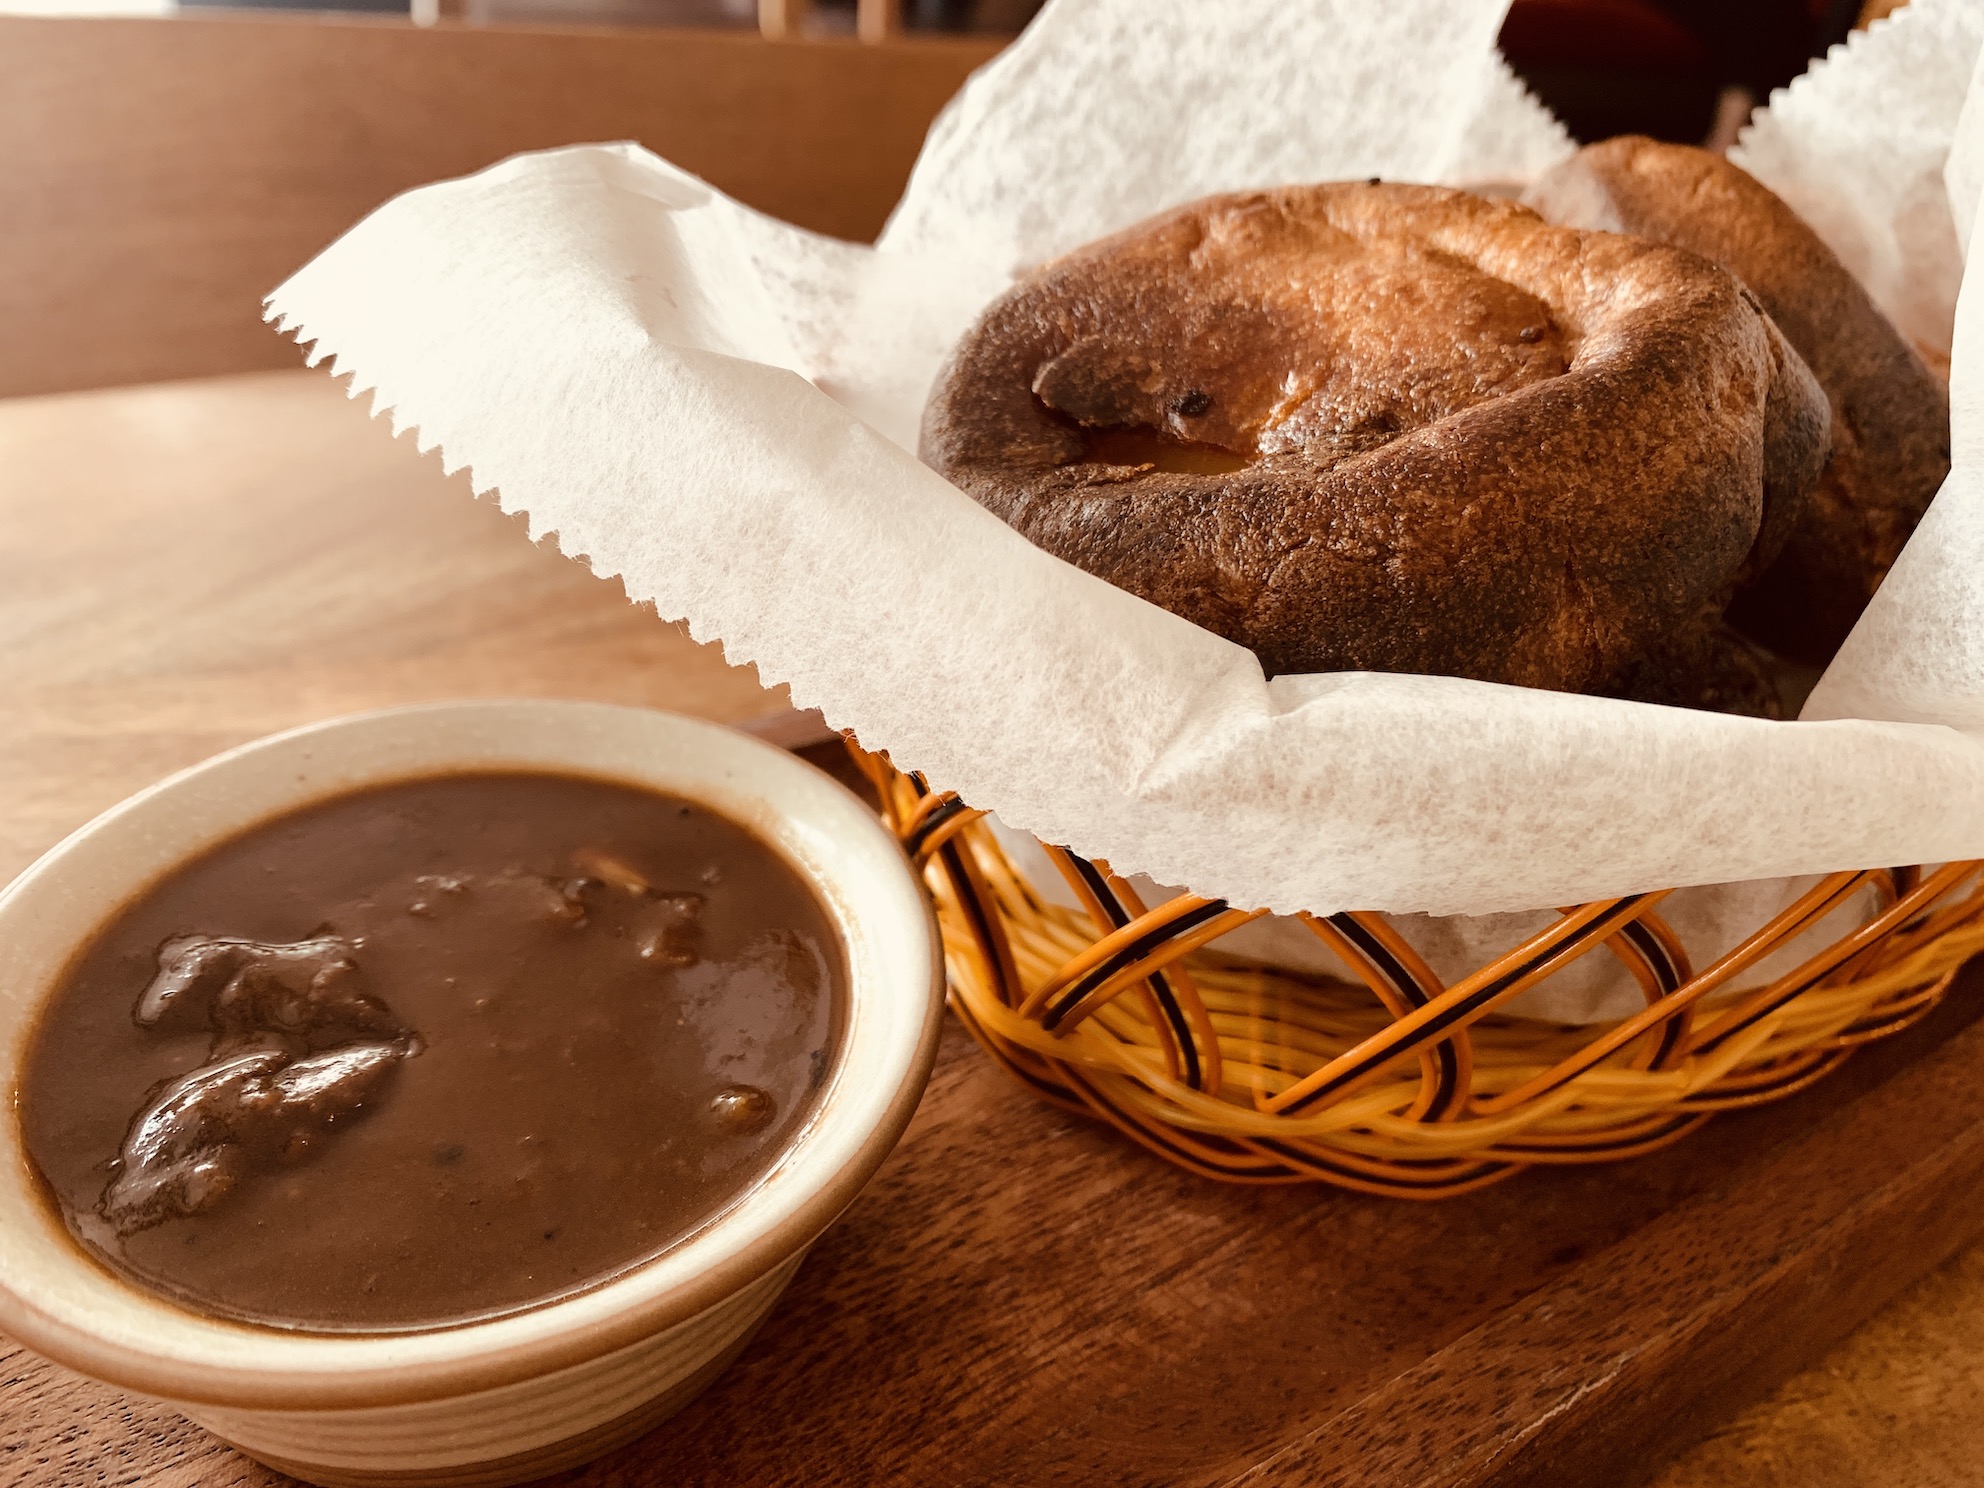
1658, 67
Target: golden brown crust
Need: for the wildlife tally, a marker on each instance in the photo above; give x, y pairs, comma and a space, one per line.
1890, 414
1706, 665
1392, 428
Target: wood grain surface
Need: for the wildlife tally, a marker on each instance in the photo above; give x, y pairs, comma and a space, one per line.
1019, 1298
163, 175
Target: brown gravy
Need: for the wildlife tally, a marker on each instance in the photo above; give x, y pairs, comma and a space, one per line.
432, 1051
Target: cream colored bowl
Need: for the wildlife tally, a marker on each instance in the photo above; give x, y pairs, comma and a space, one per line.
515, 1397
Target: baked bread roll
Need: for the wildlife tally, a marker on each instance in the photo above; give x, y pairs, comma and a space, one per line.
1393, 428
1890, 414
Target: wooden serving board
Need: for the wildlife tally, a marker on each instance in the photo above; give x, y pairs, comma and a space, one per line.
1020, 1298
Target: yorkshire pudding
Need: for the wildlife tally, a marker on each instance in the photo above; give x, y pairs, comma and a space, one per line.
1392, 428
1890, 414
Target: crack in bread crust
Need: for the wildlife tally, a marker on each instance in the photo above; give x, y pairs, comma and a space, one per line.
1435, 408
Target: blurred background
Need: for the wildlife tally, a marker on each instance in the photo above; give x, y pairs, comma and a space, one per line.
169, 161
1605, 66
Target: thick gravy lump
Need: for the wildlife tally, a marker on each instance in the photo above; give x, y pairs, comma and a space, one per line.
432, 1051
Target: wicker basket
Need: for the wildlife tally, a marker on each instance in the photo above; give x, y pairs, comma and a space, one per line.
1401, 1085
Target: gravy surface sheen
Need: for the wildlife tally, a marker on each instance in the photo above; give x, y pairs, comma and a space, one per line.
432, 1051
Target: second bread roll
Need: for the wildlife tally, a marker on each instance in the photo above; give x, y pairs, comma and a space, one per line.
1890, 414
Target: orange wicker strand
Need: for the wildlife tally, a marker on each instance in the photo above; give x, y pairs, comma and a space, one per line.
1395, 1083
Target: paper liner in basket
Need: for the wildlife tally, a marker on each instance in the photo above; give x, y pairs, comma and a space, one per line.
720, 410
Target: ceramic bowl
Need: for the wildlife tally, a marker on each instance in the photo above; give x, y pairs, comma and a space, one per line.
518, 1396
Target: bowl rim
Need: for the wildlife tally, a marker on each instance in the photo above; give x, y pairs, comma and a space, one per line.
58, 1301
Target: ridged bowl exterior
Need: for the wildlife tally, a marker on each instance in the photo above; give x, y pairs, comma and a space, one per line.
513, 1434
523, 1394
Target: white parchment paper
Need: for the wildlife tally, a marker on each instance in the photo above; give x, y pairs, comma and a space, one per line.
720, 410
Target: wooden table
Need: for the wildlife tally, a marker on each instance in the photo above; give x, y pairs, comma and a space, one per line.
1019, 1298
